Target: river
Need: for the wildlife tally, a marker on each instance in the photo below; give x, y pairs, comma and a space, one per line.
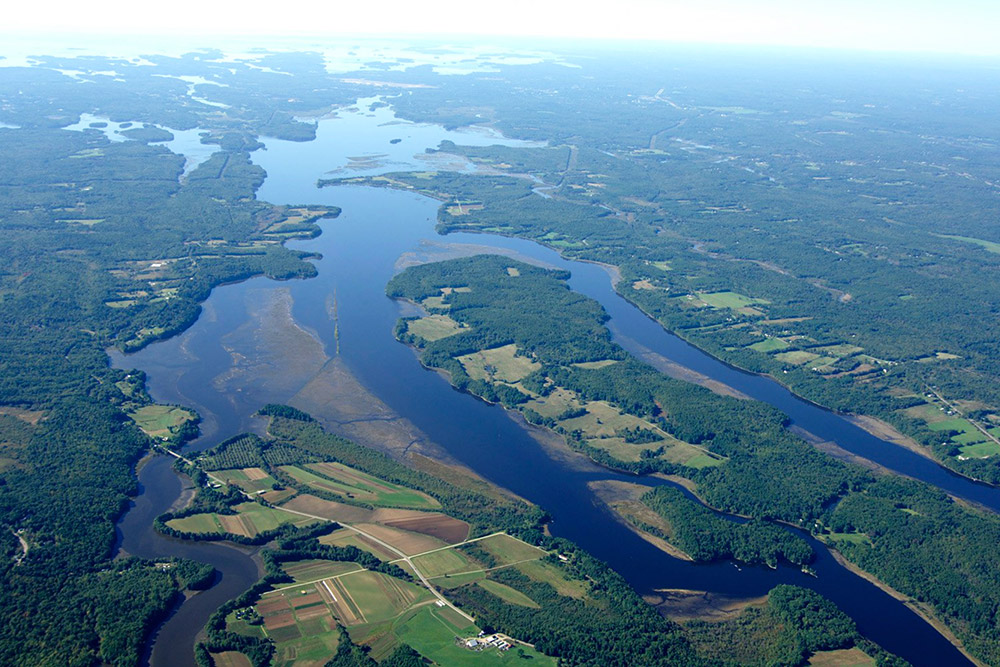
212, 368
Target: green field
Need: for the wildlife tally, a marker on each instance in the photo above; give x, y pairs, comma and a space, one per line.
507, 549
769, 345
591, 365
433, 327
250, 520
445, 561
432, 635
991, 246
796, 357
248, 479
603, 423
314, 570
380, 597
508, 594
731, 300
554, 575
160, 421
356, 485
498, 364
980, 450
955, 424
197, 523
841, 350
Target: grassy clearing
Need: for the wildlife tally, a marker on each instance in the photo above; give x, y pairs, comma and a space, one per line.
592, 365
852, 538
160, 421
980, 450
991, 246
955, 424
553, 575
770, 345
508, 550
555, 404
796, 357
250, 480
821, 362
356, 485
508, 594
603, 423
250, 520
456, 580
499, 364
446, 562
313, 570
929, 413
197, 523
432, 634
433, 327
731, 300
840, 350
230, 659
380, 597
845, 657
345, 538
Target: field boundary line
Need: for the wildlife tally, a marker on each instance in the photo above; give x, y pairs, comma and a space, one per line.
314, 581
458, 544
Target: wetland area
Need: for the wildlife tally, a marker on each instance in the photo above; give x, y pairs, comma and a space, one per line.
325, 345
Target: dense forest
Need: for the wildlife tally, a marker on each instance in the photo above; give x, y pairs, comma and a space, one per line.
841, 239
896, 529
608, 625
104, 243
790, 235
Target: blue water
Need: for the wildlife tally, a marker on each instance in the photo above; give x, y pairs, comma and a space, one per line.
359, 250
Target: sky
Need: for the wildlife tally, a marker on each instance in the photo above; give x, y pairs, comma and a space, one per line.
954, 26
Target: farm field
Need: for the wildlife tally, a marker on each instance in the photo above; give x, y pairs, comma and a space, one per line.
161, 421
499, 364
602, 427
769, 345
372, 489
433, 327
345, 538
250, 520
543, 572
508, 594
354, 485
431, 632
313, 570
508, 550
251, 480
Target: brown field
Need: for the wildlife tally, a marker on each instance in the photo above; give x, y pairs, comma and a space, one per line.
280, 620
346, 611
386, 514
345, 537
328, 509
306, 600
272, 606
441, 526
317, 611
407, 542
849, 657
277, 497
253, 474
230, 659
234, 524
30, 416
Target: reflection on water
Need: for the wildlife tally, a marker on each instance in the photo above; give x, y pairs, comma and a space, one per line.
366, 385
